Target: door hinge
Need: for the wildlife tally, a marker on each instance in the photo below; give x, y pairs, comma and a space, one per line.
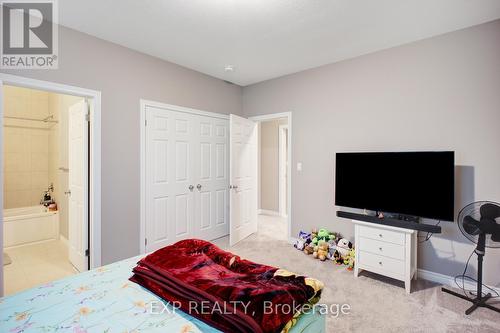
145, 122
87, 252
145, 242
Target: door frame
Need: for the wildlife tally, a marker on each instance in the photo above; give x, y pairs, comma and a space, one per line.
94, 100
274, 116
144, 103
282, 194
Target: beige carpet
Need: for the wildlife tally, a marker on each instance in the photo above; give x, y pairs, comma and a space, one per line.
377, 304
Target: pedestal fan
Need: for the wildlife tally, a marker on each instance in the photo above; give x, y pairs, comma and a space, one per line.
479, 222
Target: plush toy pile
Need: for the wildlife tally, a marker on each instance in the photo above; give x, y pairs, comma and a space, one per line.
324, 245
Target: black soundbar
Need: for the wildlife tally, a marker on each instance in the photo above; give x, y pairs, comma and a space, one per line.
435, 229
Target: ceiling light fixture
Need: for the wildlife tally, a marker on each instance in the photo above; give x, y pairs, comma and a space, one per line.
229, 68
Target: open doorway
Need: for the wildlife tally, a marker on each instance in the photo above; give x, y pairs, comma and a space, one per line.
273, 193
48, 182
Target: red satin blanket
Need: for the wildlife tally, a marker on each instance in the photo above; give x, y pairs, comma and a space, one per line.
227, 292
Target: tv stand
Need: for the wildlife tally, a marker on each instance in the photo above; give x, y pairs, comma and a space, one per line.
386, 250
387, 246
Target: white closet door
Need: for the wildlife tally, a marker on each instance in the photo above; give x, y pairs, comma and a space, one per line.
169, 175
243, 178
212, 178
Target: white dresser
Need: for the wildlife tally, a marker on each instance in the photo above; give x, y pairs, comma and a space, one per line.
386, 250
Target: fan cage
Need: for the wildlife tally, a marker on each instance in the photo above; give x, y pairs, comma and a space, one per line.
473, 209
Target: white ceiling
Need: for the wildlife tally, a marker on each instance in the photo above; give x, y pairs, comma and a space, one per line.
264, 39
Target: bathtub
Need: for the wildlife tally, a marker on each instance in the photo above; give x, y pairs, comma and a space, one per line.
26, 225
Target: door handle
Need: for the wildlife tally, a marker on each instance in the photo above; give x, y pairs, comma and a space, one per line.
191, 188
198, 187
233, 187
68, 192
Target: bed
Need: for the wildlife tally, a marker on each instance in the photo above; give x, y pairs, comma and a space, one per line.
104, 300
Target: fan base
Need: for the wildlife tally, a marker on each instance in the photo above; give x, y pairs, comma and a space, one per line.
479, 301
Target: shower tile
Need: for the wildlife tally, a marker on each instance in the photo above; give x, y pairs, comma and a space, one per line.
40, 142
40, 180
17, 181
39, 162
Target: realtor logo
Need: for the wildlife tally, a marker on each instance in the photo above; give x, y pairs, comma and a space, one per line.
29, 34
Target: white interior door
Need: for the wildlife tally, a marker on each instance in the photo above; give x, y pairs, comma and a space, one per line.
243, 178
170, 184
211, 160
78, 185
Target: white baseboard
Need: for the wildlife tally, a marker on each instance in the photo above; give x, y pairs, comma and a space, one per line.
268, 212
63, 239
448, 281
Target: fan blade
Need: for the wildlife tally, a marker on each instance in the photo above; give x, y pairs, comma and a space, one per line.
489, 211
471, 226
495, 235
488, 226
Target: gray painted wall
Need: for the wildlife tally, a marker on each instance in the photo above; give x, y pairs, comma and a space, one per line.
441, 93
125, 76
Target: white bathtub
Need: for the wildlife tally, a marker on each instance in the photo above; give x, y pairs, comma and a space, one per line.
27, 225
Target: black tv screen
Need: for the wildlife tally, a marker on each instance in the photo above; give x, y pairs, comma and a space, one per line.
408, 183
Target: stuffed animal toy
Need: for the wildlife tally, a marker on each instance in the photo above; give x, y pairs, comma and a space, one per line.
322, 251
315, 252
309, 249
322, 235
331, 249
342, 250
302, 241
314, 234
349, 261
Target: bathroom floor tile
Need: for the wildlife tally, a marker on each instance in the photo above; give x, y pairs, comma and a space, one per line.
36, 264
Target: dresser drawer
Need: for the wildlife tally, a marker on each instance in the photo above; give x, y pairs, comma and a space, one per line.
385, 249
381, 263
382, 235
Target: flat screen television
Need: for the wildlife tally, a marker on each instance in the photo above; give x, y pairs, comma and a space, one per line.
408, 183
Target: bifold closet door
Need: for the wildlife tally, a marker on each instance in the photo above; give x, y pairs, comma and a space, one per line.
212, 178
186, 177
169, 175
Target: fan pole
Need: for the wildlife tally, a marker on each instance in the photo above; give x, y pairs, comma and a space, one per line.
479, 301
480, 254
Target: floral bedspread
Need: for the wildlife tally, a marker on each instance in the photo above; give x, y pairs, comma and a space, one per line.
100, 300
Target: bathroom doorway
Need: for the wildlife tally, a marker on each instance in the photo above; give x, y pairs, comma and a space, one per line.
46, 186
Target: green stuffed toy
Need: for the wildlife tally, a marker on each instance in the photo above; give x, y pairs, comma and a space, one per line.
323, 235
350, 259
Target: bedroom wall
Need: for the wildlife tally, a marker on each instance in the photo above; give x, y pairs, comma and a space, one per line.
124, 77
436, 94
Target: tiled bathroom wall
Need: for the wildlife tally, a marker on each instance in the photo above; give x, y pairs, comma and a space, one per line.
26, 147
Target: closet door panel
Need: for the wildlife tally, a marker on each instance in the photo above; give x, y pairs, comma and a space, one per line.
212, 181
169, 172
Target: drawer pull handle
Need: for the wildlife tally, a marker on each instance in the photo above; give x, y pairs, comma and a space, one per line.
380, 248
380, 235
380, 263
